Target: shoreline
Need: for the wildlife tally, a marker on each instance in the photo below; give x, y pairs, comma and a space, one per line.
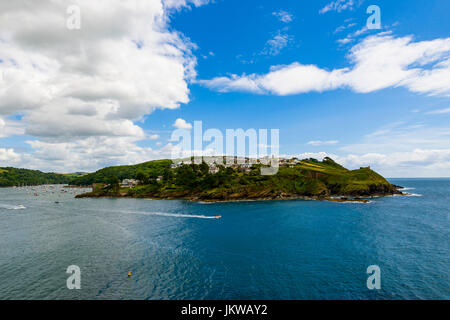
334, 198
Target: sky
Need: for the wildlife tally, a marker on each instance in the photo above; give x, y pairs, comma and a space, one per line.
111, 89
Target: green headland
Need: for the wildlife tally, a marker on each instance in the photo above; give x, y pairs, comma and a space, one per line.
307, 178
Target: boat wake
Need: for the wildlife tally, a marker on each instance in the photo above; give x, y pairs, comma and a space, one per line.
358, 202
12, 207
175, 215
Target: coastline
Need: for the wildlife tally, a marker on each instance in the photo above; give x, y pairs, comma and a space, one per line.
333, 198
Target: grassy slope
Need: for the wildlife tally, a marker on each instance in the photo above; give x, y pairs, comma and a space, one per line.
74, 175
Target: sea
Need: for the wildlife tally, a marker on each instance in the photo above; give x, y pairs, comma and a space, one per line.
173, 249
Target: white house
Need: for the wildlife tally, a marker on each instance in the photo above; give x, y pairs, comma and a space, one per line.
213, 169
129, 183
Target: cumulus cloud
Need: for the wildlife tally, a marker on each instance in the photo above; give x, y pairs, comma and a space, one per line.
182, 124
378, 62
10, 128
93, 83
89, 154
122, 64
8, 157
282, 80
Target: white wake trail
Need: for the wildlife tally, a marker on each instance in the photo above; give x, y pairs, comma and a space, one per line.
175, 215
12, 207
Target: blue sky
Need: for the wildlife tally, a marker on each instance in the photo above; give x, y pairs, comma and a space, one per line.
336, 115
237, 58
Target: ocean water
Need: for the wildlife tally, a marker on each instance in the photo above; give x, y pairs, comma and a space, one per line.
257, 250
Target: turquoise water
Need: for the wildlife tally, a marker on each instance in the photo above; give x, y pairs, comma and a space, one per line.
258, 250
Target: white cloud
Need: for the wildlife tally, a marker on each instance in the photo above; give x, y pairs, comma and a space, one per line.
92, 84
415, 163
178, 4
397, 149
282, 80
154, 137
344, 27
233, 83
283, 16
9, 128
182, 124
344, 40
351, 37
89, 154
340, 5
322, 143
439, 111
274, 46
8, 157
401, 137
122, 64
378, 62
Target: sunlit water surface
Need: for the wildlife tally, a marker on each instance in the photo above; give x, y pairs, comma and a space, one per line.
257, 250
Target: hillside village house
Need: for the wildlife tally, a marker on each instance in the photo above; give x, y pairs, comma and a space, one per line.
129, 183
213, 168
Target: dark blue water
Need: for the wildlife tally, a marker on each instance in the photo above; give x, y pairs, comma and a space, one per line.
258, 250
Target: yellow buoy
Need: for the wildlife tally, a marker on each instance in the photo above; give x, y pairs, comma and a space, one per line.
129, 274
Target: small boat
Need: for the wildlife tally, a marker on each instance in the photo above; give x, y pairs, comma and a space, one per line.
217, 217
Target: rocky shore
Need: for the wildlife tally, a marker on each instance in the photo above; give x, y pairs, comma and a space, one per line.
242, 198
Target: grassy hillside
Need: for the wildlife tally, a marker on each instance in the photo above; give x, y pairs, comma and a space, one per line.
18, 177
74, 175
155, 168
309, 177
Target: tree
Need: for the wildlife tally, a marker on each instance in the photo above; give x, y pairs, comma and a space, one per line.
142, 176
114, 183
167, 175
204, 168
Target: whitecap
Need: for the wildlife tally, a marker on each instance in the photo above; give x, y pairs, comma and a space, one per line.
412, 195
